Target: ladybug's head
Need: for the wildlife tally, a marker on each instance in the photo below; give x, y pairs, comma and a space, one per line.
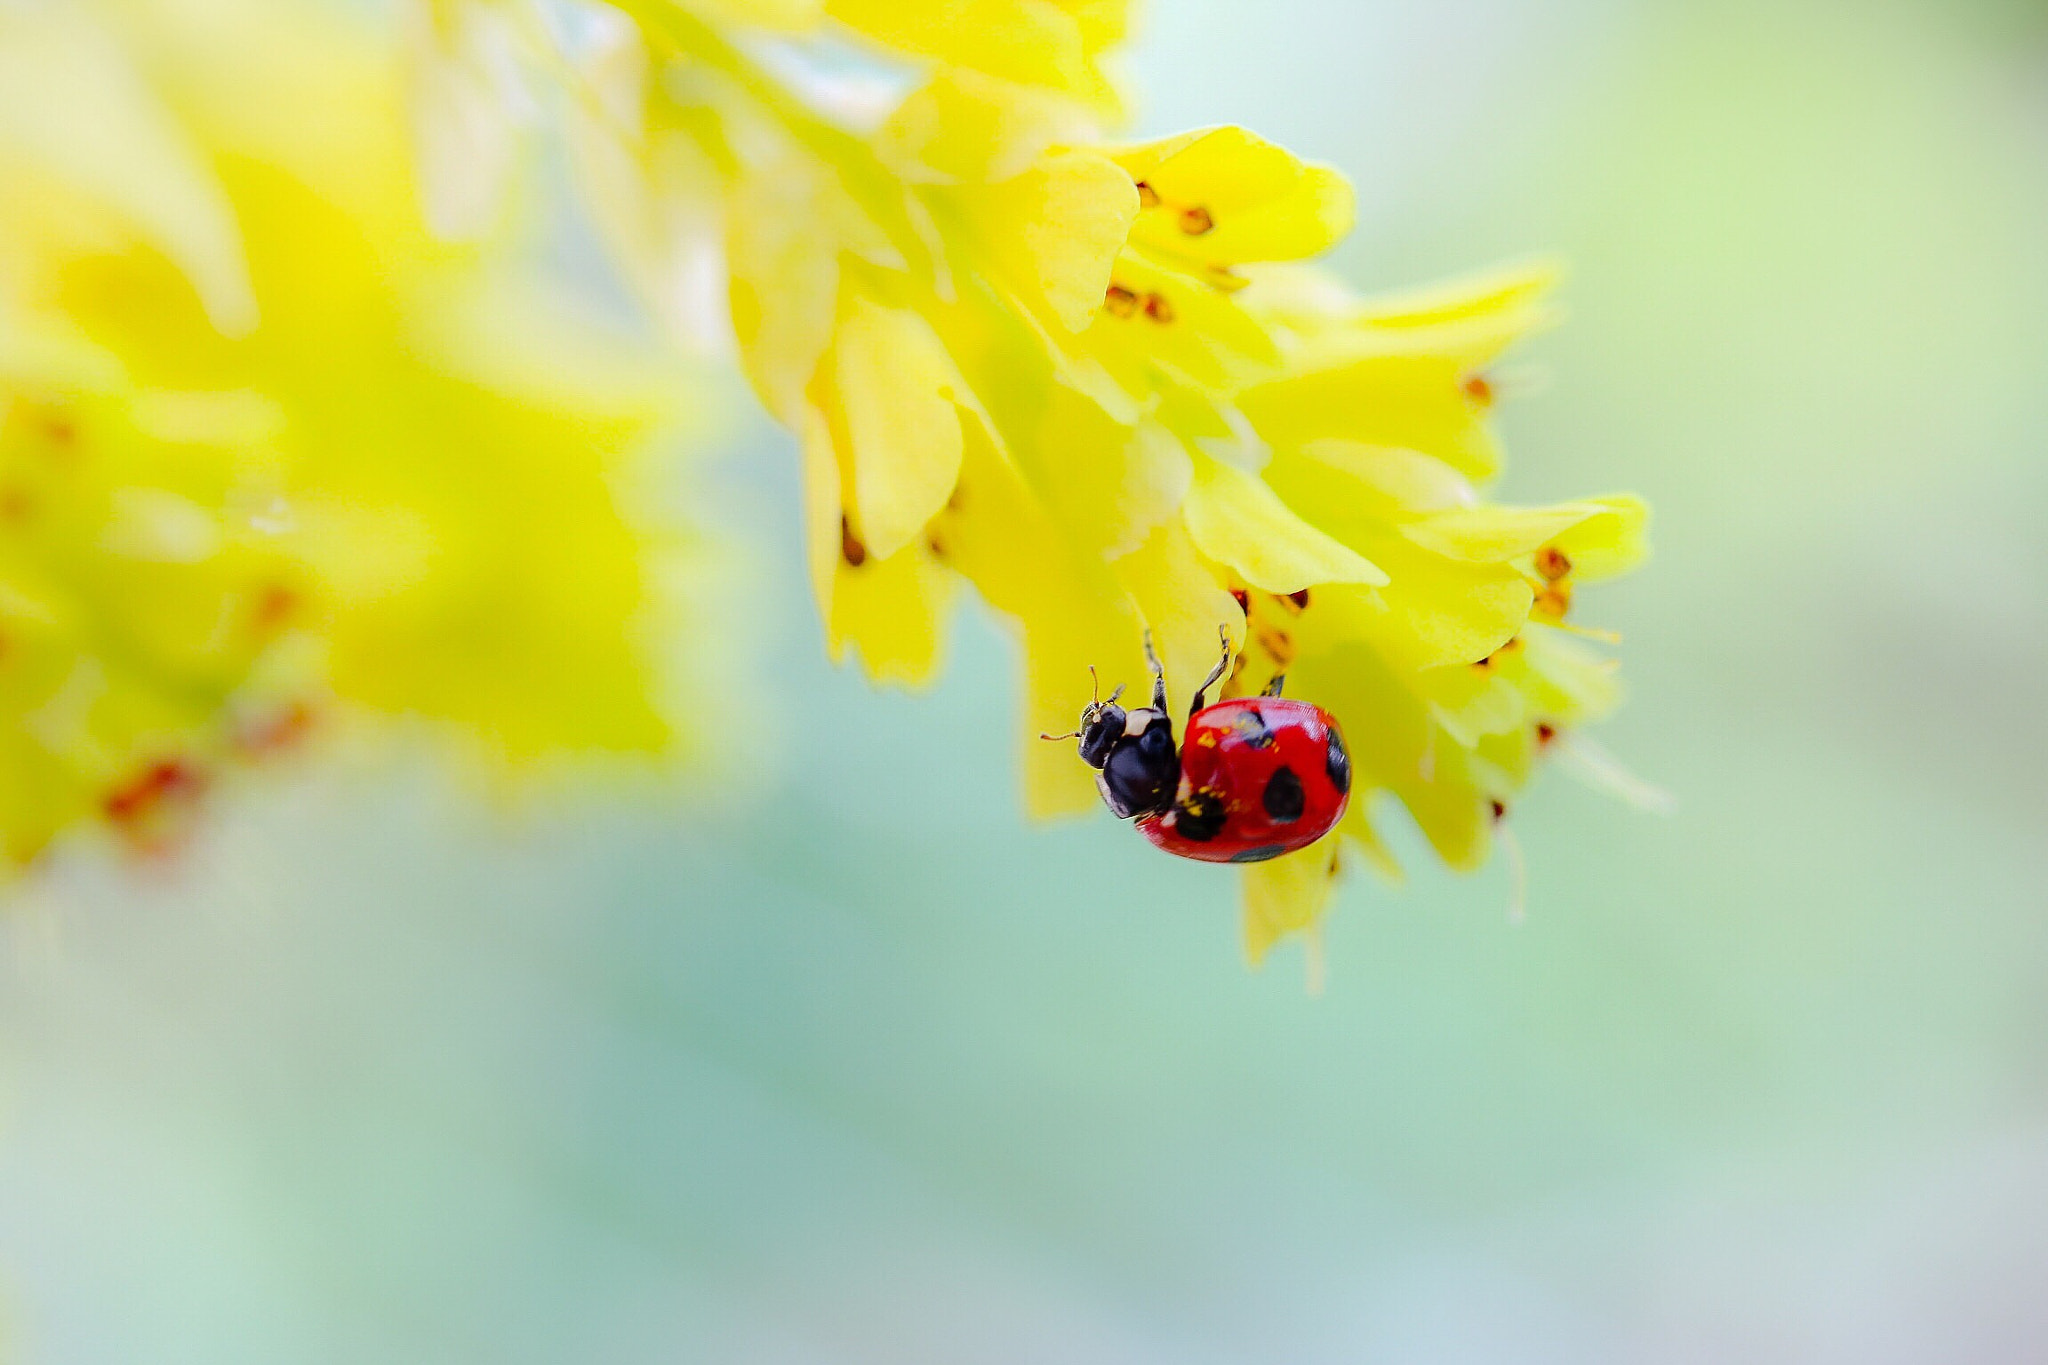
1132, 752
1102, 725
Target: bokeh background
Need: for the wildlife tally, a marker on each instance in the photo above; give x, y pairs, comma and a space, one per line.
844, 1062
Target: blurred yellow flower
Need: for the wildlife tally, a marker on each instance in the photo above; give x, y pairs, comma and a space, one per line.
1098, 384
267, 448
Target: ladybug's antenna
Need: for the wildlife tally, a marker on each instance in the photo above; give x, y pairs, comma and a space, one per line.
1093, 706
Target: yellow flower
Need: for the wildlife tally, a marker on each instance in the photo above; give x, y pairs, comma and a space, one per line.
1098, 385
267, 448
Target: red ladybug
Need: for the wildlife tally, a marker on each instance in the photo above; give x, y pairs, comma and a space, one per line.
1255, 778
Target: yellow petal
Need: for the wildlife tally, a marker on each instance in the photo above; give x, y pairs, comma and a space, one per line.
1478, 315
963, 126
1611, 540
1031, 42
784, 282
895, 386
73, 111
1134, 479
1409, 402
1225, 195
1071, 610
1183, 604
1600, 536
893, 611
1237, 520
1395, 484
1286, 895
1396, 745
1053, 232
783, 16
1357, 826
1156, 324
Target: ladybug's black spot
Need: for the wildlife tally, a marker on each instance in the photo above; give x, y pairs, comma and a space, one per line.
1249, 726
1259, 854
1339, 763
1200, 817
1284, 797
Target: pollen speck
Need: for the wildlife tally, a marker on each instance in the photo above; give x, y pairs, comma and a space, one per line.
1479, 389
1197, 221
1552, 563
1148, 198
1120, 301
1159, 308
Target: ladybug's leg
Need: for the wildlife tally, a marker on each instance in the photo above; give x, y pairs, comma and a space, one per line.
1273, 687
1158, 675
1222, 667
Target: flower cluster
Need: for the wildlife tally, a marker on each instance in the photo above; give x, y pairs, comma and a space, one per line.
269, 451
270, 445
1098, 384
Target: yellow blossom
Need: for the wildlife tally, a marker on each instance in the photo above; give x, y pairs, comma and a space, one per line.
268, 450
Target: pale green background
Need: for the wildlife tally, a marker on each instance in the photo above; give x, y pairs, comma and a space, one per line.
861, 1068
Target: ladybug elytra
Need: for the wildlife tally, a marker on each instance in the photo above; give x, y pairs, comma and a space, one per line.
1253, 778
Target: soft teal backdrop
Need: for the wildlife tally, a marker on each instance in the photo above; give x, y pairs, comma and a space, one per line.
855, 1066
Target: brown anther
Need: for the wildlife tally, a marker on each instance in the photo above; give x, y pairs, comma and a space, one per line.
1159, 308
1479, 389
1500, 809
1120, 301
275, 607
1278, 647
277, 730
1300, 599
1552, 563
1552, 602
1545, 732
1244, 600
850, 549
1197, 222
149, 789
1148, 198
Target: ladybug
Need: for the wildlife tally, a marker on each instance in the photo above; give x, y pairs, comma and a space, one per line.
1256, 777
